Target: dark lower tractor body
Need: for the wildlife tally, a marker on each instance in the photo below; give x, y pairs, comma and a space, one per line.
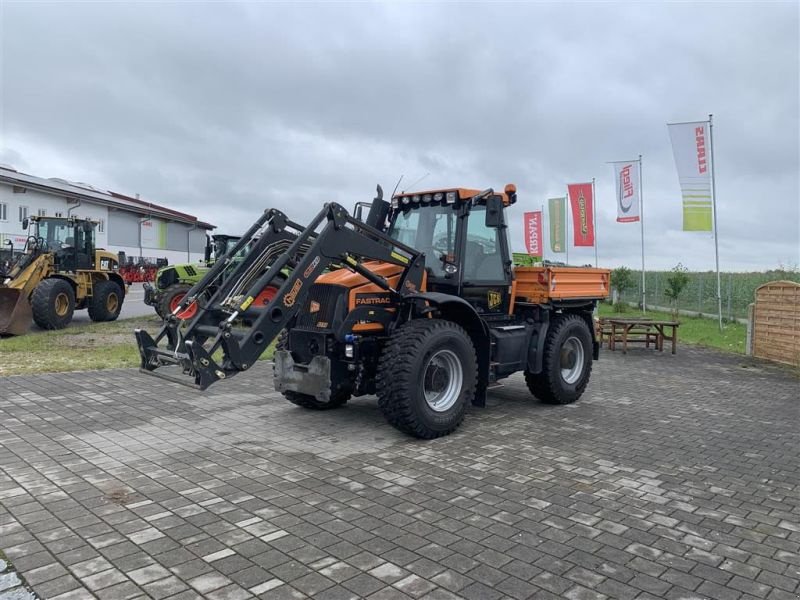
337, 395
566, 363
426, 377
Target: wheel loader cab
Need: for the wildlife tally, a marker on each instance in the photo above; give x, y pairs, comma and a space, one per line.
71, 241
465, 244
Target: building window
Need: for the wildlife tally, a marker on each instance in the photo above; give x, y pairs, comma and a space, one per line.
42, 212
23, 213
3, 211
59, 214
101, 225
18, 189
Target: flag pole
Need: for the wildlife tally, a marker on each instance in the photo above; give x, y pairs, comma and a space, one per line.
566, 218
714, 207
544, 246
594, 218
641, 223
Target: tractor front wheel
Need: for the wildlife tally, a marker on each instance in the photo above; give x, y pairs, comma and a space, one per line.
566, 363
171, 297
52, 303
106, 301
427, 375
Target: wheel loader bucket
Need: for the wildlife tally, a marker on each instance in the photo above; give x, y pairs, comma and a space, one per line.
15, 312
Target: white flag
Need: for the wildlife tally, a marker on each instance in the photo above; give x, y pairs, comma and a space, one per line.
692, 152
626, 178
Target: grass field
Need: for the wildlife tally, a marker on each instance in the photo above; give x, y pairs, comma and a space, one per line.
77, 348
694, 330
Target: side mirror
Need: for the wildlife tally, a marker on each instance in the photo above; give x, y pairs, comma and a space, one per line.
25, 224
494, 211
378, 212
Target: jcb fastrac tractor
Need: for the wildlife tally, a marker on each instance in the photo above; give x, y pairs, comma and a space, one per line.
426, 311
173, 281
59, 271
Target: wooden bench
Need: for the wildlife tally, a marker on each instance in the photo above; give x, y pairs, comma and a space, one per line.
640, 330
641, 334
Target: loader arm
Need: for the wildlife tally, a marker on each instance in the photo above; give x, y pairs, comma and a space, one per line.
212, 346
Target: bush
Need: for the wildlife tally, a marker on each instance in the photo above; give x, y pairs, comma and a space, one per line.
677, 281
621, 280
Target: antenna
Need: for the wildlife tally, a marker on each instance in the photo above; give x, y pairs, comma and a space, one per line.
397, 186
418, 180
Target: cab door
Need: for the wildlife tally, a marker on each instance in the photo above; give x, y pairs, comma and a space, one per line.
485, 273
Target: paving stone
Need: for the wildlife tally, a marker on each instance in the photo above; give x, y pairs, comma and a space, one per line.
650, 484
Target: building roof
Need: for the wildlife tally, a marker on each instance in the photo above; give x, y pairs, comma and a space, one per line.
72, 189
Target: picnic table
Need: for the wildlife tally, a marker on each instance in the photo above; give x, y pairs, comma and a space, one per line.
642, 329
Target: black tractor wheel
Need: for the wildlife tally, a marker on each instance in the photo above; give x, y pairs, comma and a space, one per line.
52, 303
171, 297
427, 375
566, 363
106, 301
339, 396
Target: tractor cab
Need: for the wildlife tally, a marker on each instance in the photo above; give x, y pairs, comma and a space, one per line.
218, 246
464, 241
70, 240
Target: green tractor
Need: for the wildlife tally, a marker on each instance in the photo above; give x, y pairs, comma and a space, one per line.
173, 281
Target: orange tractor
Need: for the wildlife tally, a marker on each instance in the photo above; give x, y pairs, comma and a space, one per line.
423, 307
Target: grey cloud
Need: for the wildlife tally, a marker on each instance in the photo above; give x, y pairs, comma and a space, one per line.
222, 109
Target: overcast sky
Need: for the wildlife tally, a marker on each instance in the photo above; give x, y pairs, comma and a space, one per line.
222, 110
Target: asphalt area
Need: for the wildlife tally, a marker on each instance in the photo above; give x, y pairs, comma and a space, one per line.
674, 477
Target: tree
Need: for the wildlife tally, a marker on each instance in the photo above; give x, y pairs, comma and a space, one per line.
676, 283
621, 280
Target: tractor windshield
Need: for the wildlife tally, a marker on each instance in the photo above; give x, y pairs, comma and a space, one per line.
429, 229
57, 234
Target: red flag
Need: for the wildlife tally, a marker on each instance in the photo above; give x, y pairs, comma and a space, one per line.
533, 232
580, 198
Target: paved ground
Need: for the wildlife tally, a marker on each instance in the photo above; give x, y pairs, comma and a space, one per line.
674, 477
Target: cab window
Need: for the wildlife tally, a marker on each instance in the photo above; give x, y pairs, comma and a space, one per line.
430, 230
483, 260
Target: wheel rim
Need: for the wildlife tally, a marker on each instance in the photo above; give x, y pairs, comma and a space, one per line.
442, 380
112, 303
62, 304
266, 296
186, 313
571, 360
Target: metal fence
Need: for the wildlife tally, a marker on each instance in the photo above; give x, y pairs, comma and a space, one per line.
700, 294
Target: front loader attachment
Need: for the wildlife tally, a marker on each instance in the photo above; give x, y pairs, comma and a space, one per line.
15, 312
228, 334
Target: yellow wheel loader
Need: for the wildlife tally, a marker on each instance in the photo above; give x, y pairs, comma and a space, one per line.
59, 271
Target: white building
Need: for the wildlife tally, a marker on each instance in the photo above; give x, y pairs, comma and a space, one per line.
129, 225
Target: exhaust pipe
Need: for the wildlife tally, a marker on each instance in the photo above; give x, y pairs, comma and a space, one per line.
15, 312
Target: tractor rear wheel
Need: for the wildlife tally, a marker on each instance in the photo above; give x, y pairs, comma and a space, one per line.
339, 396
427, 375
52, 303
566, 363
170, 299
106, 301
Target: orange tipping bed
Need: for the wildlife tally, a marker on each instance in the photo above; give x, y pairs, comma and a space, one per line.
544, 284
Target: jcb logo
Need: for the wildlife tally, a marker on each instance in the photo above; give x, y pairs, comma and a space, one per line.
494, 299
311, 267
289, 299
